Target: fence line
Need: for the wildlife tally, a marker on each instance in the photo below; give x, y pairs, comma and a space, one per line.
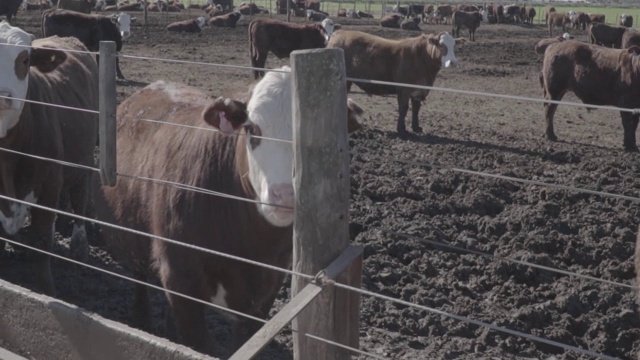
51, 104
61, 162
63, 50
207, 303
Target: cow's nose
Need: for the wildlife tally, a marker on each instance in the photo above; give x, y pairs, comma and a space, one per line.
125, 34
451, 63
4, 102
281, 194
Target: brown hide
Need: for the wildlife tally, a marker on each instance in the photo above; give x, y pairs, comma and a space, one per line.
606, 35
596, 75
227, 20
190, 26
465, 20
557, 19
630, 38
82, 6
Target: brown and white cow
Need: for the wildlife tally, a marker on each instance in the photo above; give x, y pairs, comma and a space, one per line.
237, 161
227, 20
542, 45
465, 20
189, 26
606, 35
90, 29
281, 38
596, 75
81, 6
626, 20
45, 73
557, 19
414, 60
314, 15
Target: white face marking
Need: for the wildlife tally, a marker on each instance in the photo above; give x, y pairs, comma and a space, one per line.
14, 221
201, 22
220, 297
124, 23
327, 24
447, 41
271, 162
566, 36
10, 84
485, 16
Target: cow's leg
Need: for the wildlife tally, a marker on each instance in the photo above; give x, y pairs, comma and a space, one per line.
415, 111
141, 314
630, 125
41, 236
549, 112
258, 61
78, 196
118, 71
403, 108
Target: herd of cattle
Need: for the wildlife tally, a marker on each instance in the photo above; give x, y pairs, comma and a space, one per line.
248, 166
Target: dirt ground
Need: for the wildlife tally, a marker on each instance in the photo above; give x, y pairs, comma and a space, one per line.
401, 203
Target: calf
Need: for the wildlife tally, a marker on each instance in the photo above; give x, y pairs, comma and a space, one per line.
81, 6
9, 8
281, 38
89, 29
630, 38
391, 21
45, 73
465, 20
412, 61
605, 35
247, 167
596, 75
189, 26
542, 45
557, 19
626, 20
228, 20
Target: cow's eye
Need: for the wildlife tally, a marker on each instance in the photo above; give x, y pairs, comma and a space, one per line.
249, 129
25, 62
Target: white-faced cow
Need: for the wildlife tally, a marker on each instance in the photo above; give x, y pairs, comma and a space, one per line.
626, 20
281, 38
465, 20
236, 160
371, 57
45, 73
596, 75
88, 28
542, 45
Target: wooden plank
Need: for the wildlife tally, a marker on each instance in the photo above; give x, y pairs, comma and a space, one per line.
107, 107
321, 185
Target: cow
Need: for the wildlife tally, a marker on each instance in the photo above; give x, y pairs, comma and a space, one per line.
315, 15
40, 5
630, 38
391, 21
312, 5
557, 19
402, 10
90, 29
411, 24
606, 35
444, 12
81, 6
500, 14
9, 8
580, 21
342, 13
596, 75
531, 14
417, 11
542, 45
465, 20
129, 7
548, 12
364, 15
45, 73
227, 20
246, 167
189, 26
512, 13
599, 18
249, 9
371, 57
281, 38
626, 20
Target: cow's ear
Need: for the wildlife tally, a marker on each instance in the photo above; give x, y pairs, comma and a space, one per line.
225, 114
634, 50
46, 59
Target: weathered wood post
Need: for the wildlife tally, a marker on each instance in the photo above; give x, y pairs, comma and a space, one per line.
321, 186
107, 108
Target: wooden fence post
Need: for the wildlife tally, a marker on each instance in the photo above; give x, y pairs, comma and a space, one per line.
321, 186
107, 117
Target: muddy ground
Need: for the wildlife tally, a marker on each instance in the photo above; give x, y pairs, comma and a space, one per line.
401, 203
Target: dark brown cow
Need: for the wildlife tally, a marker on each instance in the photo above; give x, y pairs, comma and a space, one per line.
599, 18
542, 45
557, 19
606, 35
547, 12
90, 29
414, 60
411, 24
630, 38
312, 5
189, 26
465, 20
81, 6
596, 75
581, 21
45, 73
9, 8
228, 20
245, 167
500, 14
531, 14
281, 38
444, 12
364, 15
391, 21
626, 20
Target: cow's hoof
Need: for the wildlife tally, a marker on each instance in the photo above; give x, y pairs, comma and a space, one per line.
403, 134
416, 129
551, 137
79, 245
631, 148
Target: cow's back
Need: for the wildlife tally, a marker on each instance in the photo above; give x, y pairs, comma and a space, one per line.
278, 38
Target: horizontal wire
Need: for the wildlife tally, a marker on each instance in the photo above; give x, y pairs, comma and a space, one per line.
61, 162
494, 95
475, 322
203, 63
170, 241
200, 190
50, 104
156, 287
61, 49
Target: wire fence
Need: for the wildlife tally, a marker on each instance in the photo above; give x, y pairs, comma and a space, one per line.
309, 276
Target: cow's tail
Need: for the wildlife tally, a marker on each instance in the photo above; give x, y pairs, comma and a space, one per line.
252, 48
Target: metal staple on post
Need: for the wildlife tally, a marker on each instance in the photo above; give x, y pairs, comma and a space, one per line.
107, 125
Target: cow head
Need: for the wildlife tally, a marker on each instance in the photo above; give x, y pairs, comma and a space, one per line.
201, 21
446, 43
123, 20
327, 25
16, 58
567, 36
485, 15
266, 116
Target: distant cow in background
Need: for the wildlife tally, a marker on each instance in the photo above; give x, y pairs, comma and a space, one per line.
630, 38
598, 18
465, 20
315, 15
9, 8
411, 24
626, 20
557, 19
391, 21
444, 13
580, 21
548, 12
281, 38
606, 35
227, 20
542, 45
189, 26
82, 6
